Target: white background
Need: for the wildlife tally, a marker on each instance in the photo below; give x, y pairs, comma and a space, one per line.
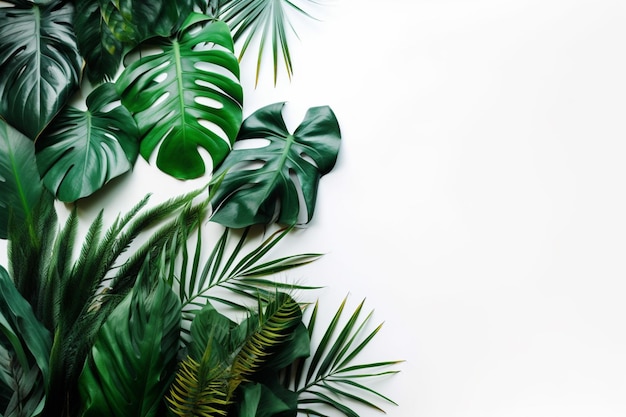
478, 203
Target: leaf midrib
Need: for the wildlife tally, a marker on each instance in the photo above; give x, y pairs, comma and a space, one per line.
179, 85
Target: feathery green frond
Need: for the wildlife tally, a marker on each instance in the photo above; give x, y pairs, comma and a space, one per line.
275, 327
200, 388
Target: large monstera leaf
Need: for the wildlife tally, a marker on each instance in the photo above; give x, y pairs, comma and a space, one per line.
186, 97
266, 184
20, 186
82, 150
39, 63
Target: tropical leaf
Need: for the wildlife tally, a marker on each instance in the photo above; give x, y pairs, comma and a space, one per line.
96, 42
330, 376
266, 19
230, 266
82, 150
131, 364
20, 186
291, 166
186, 97
201, 385
133, 21
274, 328
25, 346
39, 63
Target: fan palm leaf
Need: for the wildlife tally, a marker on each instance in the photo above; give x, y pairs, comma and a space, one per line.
269, 21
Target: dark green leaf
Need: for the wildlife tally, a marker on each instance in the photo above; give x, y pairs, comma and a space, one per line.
291, 166
82, 150
39, 64
130, 365
133, 21
186, 97
20, 186
97, 43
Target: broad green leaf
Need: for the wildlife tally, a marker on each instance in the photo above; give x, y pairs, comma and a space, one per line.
291, 166
186, 97
39, 64
211, 327
130, 366
17, 317
82, 150
20, 186
24, 352
258, 400
97, 43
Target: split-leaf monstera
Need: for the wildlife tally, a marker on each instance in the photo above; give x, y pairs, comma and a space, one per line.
83, 150
291, 166
186, 96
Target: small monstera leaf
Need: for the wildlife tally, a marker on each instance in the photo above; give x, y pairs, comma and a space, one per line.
291, 166
39, 63
20, 186
82, 150
186, 97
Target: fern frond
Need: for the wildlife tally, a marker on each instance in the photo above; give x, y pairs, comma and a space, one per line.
199, 390
275, 326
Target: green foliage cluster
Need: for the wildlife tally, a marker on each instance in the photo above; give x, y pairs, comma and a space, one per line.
138, 318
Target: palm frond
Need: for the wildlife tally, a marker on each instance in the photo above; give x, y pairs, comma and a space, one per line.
330, 376
269, 21
229, 267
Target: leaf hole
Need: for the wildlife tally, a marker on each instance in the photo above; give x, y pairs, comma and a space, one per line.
251, 144
248, 165
110, 106
303, 214
308, 158
208, 102
161, 77
161, 99
213, 128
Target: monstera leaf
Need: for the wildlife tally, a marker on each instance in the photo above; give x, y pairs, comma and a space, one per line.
185, 97
39, 64
83, 150
290, 167
20, 186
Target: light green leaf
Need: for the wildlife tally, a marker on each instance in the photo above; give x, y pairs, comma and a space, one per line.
291, 166
83, 150
186, 97
39, 64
